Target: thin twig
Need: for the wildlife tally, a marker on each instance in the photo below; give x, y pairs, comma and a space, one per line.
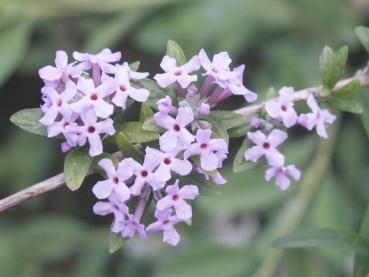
58, 180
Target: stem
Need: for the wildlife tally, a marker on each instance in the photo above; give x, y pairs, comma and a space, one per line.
294, 211
58, 180
96, 74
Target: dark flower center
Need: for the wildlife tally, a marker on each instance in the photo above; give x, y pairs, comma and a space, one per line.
215, 70
116, 180
175, 197
178, 72
284, 107
167, 161
91, 129
144, 173
176, 127
203, 146
266, 145
65, 124
166, 221
123, 88
59, 103
93, 97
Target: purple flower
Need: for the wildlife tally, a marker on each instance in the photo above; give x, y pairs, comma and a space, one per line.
207, 148
113, 206
124, 88
58, 103
165, 105
267, 146
145, 175
218, 68
282, 108
62, 70
91, 131
177, 134
167, 163
60, 127
115, 180
179, 74
235, 85
280, 173
215, 176
93, 97
103, 59
165, 223
317, 118
176, 198
129, 227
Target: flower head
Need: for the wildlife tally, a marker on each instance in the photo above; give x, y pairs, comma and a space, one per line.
218, 68
281, 174
236, 86
113, 206
103, 60
129, 227
282, 108
266, 146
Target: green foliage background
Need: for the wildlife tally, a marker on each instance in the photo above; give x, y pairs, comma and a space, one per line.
232, 231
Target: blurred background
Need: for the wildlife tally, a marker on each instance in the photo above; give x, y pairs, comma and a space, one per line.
232, 231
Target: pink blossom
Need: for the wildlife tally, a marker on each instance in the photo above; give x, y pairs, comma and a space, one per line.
103, 59
218, 68
113, 206
236, 87
281, 173
129, 227
165, 105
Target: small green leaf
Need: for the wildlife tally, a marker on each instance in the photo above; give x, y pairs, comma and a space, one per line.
135, 65
150, 125
116, 242
348, 91
145, 112
349, 241
240, 164
176, 52
332, 65
135, 133
363, 34
28, 120
346, 105
76, 166
230, 119
271, 93
127, 148
218, 128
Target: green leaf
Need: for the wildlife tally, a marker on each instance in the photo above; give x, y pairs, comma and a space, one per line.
363, 34
116, 242
13, 47
332, 65
240, 164
135, 133
348, 91
135, 65
150, 125
231, 119
348, 241
145, 112
156, 92
365, 114
76, 166
176, 52
218, 128
28, 120
127, 148
361, 268
346, 105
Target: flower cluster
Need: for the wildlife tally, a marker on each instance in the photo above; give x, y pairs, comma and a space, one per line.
80, 99
281, 112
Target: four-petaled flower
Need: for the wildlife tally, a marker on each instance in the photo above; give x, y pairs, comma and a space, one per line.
280, 173
179, 74
113, 206
209, 150
317, 118
103, 60
266, 146
176, 198
282, 107
176, 135
129, 227
236, 86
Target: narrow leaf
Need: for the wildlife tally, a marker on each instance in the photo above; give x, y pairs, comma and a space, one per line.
363, 34
176, 52
135, 133
145, 112
332, 65
127, 148
325, 238
116, 242
218, 128
76, 166
346, 105
348, 91
28, 120
230, 119
240, 164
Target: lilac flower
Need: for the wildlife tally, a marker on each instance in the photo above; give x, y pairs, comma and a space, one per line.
177, 134
204, 109
60, 127
281, 173
62, 70
165, 223
317, 118
179, 74
176, 198
257, 122
113, 206
215, 176
235, 85
115, 180
59, 103
145, 175
93, 97
103, 59
129, 227
124, 88
282, 108
207, 148
168, 162
165, 105
91, 131
218, 68
267, 146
